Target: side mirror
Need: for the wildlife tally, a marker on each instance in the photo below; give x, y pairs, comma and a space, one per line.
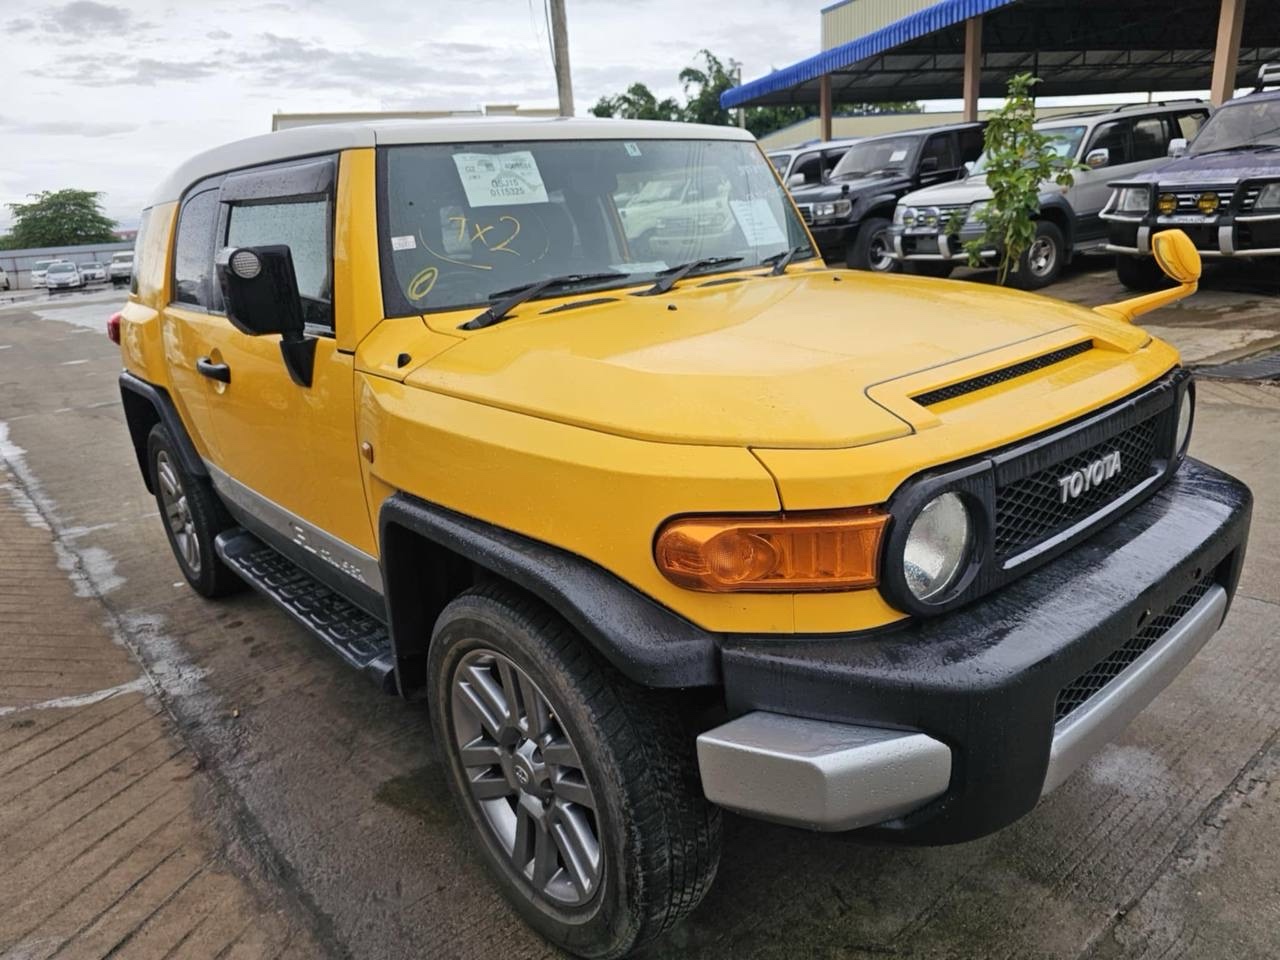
795, 180
1098, 158
260, 291
1180, 260
967, 169
1177, 146
929, 165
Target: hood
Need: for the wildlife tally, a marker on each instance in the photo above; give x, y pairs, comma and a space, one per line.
949, 194
1214, 168
835, 189
779, 362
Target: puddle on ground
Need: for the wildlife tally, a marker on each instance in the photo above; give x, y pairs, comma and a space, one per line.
421, 793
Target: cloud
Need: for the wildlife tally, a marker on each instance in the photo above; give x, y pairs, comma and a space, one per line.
65, 128
218, 35
143, 72
87, 18
21, 25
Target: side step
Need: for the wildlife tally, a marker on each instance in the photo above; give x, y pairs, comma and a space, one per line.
359, 639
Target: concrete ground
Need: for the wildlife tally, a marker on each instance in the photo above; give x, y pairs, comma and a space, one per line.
278, 804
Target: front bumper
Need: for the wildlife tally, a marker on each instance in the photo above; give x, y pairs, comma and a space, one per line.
833, 238
1223, 236
938, 246
947, 729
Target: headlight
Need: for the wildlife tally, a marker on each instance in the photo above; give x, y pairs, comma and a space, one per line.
909, 216
1207, 203
832, 209
1269, 198
1186, 414
937, 547
1134, 200
975, 211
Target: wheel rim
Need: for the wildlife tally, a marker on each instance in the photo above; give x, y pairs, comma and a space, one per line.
177, 513
879, 255
524, 775
1042, 257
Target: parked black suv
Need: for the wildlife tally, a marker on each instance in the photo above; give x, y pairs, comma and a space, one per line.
850, 212
1223, 191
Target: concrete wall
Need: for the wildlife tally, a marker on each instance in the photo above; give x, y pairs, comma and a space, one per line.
842, 22
18, 263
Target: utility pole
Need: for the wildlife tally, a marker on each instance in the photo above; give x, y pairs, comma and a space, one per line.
742, 111
560, 54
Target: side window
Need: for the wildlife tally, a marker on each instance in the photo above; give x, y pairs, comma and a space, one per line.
830, 159
139, 243
303, 225
193, 255
941, 150
1187, 125
1114, 137
810, 167
1150, 138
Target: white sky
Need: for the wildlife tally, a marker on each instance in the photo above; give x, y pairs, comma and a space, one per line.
110, 94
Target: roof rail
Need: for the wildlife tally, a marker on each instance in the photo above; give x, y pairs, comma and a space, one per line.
1268, 76
1157, 103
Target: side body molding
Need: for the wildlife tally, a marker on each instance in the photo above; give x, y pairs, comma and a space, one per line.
645, 641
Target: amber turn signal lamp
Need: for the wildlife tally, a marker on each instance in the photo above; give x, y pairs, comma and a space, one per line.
828, 550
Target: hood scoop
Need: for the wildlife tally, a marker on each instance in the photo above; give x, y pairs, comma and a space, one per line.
1004, 374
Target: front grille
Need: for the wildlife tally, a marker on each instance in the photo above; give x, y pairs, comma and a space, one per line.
1189, 200
1080, 690
1250, 199
1000, 376
1031, 510
806, 212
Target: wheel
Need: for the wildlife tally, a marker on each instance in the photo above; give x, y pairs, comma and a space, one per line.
193, 517
1041, 263
1140, 273
581, 787
872, 248
929, 268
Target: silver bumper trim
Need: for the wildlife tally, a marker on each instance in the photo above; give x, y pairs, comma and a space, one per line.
1103, 717
819, 775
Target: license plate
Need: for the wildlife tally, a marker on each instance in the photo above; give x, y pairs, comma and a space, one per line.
1187, 218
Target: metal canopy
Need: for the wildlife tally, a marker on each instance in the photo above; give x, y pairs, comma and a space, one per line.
1080, 47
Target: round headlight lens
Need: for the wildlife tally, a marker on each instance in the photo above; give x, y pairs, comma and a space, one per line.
937, 546
1185, 409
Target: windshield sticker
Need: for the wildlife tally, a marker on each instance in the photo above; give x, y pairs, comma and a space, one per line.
633, 150
897, 156
651, 267
757, 221
407, 242
500, 179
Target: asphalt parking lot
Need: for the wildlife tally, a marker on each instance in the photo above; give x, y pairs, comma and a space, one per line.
301, 813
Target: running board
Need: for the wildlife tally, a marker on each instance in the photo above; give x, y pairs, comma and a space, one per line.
358, 638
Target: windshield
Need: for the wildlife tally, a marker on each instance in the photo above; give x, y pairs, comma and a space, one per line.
121, 257
1240, 125
43, 264
875, 156
61, 267
1063, 141
465, 221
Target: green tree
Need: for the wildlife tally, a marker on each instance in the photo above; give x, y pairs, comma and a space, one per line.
703, 83
1019, 159
638, 103
57, 218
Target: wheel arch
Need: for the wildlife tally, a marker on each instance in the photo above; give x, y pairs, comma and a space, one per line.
430, 554
1061, 215
145, 405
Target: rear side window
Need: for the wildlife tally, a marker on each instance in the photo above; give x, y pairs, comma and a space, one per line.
303, 225
1150, 138
193, 255
1188, 124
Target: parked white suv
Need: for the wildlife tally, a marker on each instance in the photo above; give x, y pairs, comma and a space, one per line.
38, 272
1104, 146
120, 270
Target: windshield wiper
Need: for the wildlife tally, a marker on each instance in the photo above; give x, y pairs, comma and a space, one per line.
514, 296
782, 260
669, 277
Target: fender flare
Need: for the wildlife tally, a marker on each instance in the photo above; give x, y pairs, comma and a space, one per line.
1059, 205
643, 639
145, 404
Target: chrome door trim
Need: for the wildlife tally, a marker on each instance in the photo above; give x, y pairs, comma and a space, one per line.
340, 555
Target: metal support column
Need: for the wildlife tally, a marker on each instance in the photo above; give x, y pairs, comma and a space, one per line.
824, 106
1226, 54
972, 66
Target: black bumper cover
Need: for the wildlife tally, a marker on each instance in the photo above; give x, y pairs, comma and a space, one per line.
984, 679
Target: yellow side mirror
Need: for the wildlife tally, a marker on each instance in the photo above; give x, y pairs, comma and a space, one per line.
1180, 260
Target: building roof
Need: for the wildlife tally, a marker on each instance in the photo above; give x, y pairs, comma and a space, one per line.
332, 137
1079, 48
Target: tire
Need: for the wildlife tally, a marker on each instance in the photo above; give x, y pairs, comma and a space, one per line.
872, 248
619, 773
193, 516
1140, 273
940, 269
1041, 263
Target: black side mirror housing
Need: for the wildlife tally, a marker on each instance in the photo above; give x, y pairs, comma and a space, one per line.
929, 165
260, 290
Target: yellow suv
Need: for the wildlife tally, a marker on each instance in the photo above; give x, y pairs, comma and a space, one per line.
661, 516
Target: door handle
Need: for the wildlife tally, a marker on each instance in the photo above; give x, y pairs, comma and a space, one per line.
214, 371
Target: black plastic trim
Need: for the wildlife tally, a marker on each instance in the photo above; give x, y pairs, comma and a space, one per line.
139, 426
1003, 375
646, 641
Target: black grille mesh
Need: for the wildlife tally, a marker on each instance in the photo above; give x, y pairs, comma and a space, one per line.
1031, 509
1000, 376
1078, 691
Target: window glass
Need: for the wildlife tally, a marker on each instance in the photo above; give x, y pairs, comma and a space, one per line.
942, 151
193, 256
1244, 122
1150, 138
303, 226
1189, 124
138, 246
876, 156
779, 161
809, 166
1114, 138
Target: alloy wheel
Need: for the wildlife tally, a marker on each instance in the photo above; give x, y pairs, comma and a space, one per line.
526, 778
880, 253
1042, 257
177, 512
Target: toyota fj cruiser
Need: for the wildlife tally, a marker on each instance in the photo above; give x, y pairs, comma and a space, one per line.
1223, 191
669, 520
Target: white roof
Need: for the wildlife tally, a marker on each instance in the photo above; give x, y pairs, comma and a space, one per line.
331, 137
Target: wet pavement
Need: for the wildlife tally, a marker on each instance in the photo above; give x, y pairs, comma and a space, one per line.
312, 810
